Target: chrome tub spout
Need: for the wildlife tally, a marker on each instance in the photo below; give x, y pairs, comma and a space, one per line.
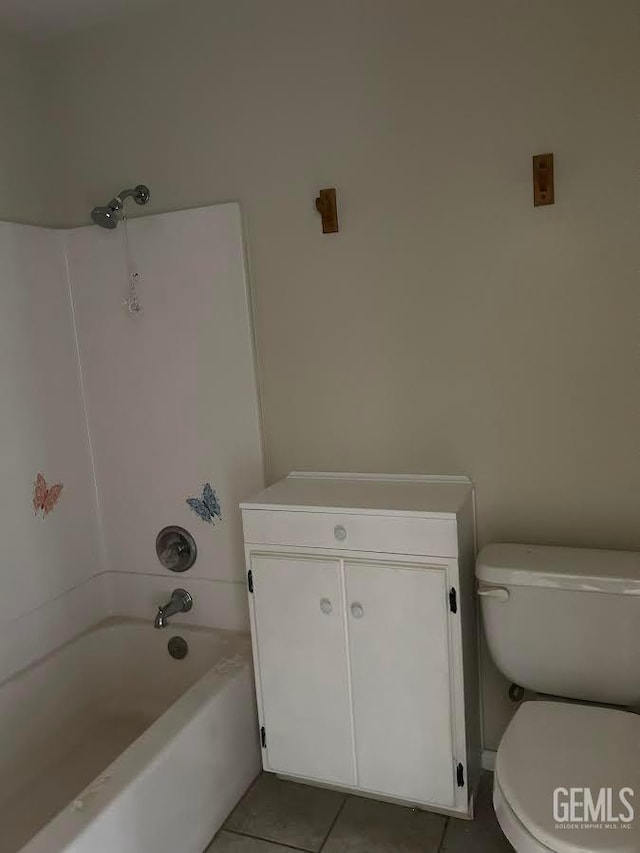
180, 602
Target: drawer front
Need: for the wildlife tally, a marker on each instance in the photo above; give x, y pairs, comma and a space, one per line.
436, 537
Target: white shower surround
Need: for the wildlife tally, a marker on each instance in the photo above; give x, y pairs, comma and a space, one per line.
81, 380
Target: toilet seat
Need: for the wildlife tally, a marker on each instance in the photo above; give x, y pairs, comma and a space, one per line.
517, 834
550, 745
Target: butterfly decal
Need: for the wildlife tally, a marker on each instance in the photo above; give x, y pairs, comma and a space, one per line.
45, 497
206, 507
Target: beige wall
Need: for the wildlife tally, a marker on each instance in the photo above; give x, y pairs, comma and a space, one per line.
23, 158
450, 326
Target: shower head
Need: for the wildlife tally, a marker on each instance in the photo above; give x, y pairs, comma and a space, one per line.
105, 216
108, 215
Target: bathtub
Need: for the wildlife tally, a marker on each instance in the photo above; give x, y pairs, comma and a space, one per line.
111, 745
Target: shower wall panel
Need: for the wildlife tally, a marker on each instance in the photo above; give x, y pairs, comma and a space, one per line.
48, 549
171, 393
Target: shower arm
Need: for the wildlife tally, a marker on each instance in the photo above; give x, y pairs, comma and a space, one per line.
139, 194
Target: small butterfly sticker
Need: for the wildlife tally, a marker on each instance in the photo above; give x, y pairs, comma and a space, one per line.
206, 507
45, 497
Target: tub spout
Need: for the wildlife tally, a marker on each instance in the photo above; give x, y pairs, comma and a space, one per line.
180, 602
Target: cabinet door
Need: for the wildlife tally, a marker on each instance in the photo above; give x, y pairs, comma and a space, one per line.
398, 640
302, 660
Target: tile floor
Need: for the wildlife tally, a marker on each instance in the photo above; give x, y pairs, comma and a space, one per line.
278, 817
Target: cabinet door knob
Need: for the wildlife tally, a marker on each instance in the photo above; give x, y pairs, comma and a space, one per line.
357, 610
325, 605
340, 532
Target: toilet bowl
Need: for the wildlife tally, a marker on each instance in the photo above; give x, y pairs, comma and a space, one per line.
566, 779
566, 622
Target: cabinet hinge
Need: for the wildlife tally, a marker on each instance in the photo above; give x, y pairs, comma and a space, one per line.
250, 580
453, 600
263, 737
459, 775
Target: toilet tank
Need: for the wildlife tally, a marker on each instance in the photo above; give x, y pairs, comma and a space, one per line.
563, 621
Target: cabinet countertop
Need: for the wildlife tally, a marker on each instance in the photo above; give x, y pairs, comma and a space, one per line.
382, 494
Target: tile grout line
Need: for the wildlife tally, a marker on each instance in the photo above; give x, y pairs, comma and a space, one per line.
444, 833
267, 840
333, 823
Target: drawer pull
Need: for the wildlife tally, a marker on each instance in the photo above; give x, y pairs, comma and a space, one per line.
326, 606
357, 610
340, 532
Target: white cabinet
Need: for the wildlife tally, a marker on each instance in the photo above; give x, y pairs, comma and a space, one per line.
363, 628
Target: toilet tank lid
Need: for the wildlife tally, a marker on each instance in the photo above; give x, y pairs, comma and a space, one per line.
585, 569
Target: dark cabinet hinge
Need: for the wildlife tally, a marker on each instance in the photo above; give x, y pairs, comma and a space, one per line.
459, 775
263, 737
453, 600
250, 580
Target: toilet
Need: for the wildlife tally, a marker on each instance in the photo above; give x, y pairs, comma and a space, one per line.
565, 624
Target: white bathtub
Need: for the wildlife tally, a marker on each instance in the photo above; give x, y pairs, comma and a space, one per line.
110, 745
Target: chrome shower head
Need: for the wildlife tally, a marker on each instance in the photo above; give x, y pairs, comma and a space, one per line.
108, 216
105, 216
